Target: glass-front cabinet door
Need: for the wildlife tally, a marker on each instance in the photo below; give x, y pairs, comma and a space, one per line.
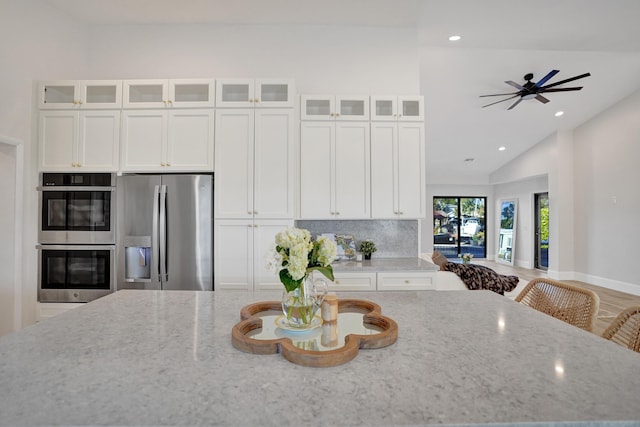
192, 93
384, 108
86, 94
273, 93
352, 107
331, 107
173, 93
317, 107
397, 108
250, 93
145, 93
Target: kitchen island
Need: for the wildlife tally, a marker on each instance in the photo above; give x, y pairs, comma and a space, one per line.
165, 358
385, 265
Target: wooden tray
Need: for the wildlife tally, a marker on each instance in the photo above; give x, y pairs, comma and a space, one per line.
353, 342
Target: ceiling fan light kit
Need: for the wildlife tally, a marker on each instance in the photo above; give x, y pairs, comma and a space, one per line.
530, 90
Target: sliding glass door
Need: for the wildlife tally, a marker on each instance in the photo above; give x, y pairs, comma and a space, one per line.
542, 231
459, 226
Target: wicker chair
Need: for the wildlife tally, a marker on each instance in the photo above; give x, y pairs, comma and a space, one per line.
625, 329
568, 303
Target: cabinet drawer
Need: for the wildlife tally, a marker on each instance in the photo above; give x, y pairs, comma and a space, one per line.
406, 281
350, 281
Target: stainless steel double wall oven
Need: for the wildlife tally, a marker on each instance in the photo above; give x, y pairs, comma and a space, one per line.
77, 236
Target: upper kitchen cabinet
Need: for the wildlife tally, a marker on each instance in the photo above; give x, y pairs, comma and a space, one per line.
80, 94
397, 170
331, 107
78, 140
254, 163
258, 93
167, 141
175, 93
334, 170
397, 108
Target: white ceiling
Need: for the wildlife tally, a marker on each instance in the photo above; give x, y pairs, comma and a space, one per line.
502, 40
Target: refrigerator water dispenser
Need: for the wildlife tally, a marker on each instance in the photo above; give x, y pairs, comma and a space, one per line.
137, 253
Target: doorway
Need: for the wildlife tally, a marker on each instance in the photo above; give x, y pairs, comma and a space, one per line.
459, 226
541, 258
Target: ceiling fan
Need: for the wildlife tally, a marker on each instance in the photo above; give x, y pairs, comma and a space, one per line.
531, 90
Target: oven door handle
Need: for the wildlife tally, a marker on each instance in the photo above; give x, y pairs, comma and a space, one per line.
155, 253
76, 188
163, 233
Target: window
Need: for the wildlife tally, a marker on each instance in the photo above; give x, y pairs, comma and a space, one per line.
542, 231
459, 226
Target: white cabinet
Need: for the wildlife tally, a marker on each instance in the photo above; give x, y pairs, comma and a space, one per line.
240, 251
334, 170
167, 141
163, 93
80, 94
47, 310
332, 107
258, 93
397, 108
381, 281
350, 281
406, 281
78, 140
397, 170
254, 163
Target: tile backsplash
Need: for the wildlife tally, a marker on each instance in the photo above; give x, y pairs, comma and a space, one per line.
393, 238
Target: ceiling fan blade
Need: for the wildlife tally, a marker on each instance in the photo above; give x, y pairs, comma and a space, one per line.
515, 103
514, 84
547, 77
561, 89
500, 94
542, 99
581, 76
497, 102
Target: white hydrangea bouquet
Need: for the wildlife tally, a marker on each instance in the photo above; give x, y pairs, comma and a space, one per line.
296, 256
466, 258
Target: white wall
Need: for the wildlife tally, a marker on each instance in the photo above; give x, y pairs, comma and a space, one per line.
36, 42
7, 241
523, 192
552, 158
607, 196
321, 59
594, 199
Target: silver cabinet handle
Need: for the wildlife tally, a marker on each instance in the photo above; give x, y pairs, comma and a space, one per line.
155, 252
163, 233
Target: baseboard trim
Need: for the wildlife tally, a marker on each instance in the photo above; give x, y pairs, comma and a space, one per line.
616, 285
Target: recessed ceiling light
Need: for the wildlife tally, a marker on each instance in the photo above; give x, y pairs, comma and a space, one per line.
559, 113
469, 159
454, 38
502, 148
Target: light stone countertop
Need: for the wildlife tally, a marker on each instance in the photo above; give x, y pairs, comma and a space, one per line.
165, 358
375, 265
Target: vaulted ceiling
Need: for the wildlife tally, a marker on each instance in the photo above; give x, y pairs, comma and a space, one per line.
501, 40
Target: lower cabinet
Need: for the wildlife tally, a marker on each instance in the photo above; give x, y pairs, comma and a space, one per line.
386, 281
47, 310
240, 253
350, 281
402, 281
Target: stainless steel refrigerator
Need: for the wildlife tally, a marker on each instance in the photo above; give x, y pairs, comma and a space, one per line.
165, 232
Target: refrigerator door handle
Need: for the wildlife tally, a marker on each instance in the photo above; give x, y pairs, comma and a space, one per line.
155, 272
163, 233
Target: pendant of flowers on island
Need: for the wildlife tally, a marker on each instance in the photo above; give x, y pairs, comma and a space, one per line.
296, 255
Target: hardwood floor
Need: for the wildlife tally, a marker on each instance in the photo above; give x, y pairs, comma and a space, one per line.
611, 302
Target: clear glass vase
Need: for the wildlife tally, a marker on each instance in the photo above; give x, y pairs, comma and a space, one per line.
301, 305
